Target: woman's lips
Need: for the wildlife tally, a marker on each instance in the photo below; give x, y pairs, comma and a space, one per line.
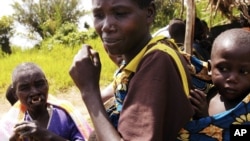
111, 42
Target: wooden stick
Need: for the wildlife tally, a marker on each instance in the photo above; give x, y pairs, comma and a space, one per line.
189, 34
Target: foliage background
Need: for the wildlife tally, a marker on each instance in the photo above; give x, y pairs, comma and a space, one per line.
55, 61
55, 53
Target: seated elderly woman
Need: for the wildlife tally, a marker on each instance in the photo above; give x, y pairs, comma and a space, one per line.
37, 115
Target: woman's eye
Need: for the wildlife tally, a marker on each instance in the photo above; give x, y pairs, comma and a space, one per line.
97, 16
121, 14
40, 84
23, 88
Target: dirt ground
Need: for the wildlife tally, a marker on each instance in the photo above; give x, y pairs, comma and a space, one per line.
73, 96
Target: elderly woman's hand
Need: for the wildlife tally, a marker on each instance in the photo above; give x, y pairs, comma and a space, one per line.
32, 132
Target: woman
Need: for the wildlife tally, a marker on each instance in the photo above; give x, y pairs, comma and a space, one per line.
38, 116
151, 103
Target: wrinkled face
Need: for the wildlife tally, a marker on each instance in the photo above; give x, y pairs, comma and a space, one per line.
121, 24
230, 66
32, 89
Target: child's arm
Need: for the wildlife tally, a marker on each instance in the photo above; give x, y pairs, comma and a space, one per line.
199, 103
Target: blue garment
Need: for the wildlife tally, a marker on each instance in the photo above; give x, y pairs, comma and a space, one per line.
61, 124
198, 82
204, 54
217, 127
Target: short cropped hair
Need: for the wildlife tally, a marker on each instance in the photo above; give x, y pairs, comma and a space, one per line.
177, 29
24, 67
239, 36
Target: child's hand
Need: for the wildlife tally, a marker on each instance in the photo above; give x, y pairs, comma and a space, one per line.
199, 103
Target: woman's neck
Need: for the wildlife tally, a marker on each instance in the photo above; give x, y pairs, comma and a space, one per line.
129, 56
40, 115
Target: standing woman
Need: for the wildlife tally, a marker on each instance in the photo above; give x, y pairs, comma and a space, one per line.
151, 100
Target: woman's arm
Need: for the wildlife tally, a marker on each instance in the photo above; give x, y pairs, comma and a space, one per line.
85, 72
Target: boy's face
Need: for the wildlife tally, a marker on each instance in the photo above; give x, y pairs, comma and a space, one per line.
32, 89
230, 66
121, 24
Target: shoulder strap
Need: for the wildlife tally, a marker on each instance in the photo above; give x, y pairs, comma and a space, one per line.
177, 60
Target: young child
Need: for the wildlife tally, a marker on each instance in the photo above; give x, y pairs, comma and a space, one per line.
151, 100
230, 67
229, 102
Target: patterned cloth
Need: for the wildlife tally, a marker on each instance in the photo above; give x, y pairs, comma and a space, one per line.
120, 85
198, 69
217, 127
199, 72
17, 114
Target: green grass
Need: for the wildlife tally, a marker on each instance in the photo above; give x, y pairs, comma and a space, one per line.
55, 61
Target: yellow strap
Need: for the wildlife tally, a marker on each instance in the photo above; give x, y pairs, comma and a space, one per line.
177, 60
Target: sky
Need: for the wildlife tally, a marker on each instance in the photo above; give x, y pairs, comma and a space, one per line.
19, 40
7, 10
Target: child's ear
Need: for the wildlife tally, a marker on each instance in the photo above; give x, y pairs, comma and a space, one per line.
209, 67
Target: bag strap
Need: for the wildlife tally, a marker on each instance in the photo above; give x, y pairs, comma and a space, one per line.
177, 60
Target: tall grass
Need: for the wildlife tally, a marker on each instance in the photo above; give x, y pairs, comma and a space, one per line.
55, 60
